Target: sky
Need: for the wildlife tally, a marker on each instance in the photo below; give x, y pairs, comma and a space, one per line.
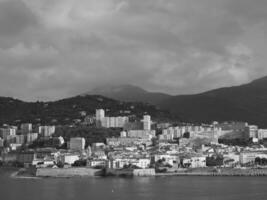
51, 49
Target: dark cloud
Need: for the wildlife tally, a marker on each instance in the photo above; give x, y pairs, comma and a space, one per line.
53, 49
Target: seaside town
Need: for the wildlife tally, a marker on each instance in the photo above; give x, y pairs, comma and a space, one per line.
143, 147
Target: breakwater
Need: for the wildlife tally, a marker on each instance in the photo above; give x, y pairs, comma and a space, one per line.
68, 172
221, 172
130, 172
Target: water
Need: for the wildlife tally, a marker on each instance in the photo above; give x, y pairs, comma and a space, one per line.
164, 188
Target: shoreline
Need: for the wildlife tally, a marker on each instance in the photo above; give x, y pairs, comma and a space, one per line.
226, 173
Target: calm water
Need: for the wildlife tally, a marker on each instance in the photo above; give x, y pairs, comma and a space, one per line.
183, 188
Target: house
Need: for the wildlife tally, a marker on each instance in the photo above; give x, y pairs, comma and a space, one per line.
194, 162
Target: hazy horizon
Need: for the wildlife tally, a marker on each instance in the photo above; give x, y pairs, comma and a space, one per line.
55, 49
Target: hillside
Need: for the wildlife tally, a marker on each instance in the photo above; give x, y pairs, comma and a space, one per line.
130, 93
64, 111
246, 102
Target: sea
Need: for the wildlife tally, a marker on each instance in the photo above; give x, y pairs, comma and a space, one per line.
136, 188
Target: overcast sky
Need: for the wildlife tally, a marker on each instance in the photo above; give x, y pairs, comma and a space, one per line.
51, 49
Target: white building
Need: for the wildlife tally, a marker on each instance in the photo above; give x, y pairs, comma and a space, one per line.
114, 122
46, 131
31, 137
69, 158
262, 134
97, 163
119, 163
14, 146
249, 157
123, 134
251, 131
100, 114
146, 122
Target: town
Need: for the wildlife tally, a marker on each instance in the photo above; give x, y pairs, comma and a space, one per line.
142, 147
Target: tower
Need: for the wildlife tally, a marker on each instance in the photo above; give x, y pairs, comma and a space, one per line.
147, 122
99, 115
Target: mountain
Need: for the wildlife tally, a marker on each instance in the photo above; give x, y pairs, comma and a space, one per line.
246, 102
130, 93
14, 111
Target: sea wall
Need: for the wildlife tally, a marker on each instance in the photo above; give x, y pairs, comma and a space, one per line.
221, 172
144, 172
130, 172
67, 172
119, 172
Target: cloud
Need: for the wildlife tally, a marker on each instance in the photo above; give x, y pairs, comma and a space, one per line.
53, 49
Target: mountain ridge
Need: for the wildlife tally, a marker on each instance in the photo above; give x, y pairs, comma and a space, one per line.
246, 102
65, 111
129, 93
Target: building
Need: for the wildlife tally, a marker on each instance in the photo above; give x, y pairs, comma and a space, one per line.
262, 134
143, 134
146, 122
119, 163
68, 158
195, 162
183, 142
168, 159
251, 131
5, 132
46, 131
11, 139
101, 163
123, 134
77, 143
20, 139
121, 141
14, 146
26, 128
31, 137
114, 122
249, 157
231, 159
98, 146
99, 115
1, 143
127, 141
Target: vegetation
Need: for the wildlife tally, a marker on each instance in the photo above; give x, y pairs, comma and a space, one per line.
46, 142
261, 161
235, 141
214, 161
67, 111
91, 134
246, 103
79, 163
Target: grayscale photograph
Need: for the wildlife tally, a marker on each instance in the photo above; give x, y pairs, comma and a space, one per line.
133, 99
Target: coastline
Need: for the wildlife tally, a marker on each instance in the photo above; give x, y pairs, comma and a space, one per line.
219, 172
230, 172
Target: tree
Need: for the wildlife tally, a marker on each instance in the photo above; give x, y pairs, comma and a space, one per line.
186, 135
214, 161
